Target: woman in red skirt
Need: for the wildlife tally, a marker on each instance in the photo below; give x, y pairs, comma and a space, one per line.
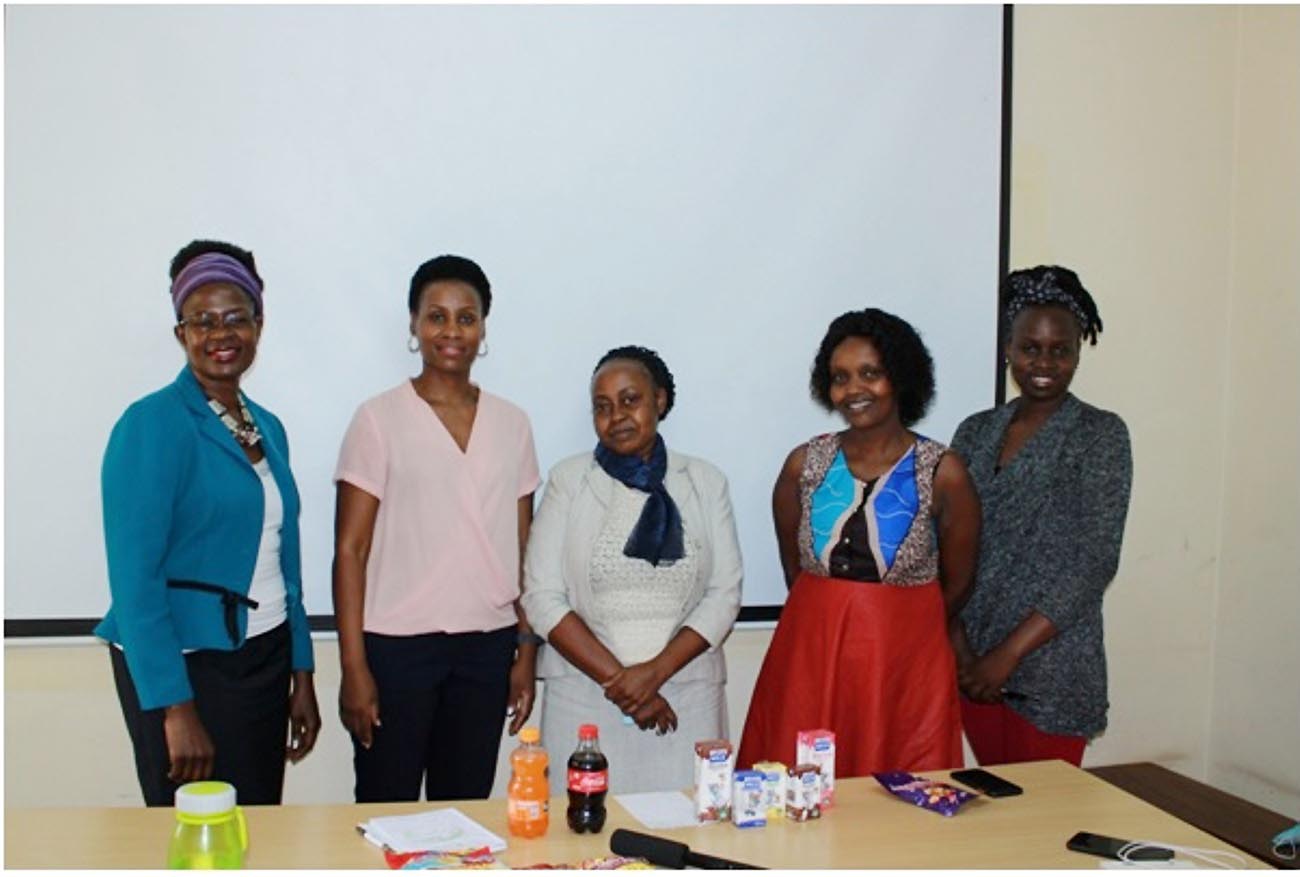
878, 530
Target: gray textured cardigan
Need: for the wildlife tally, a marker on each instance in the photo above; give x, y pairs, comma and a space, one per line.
1053, 524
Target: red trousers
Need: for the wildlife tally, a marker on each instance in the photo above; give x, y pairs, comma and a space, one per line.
1000, 735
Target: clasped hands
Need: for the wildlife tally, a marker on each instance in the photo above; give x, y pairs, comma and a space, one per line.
982, 679
635, 691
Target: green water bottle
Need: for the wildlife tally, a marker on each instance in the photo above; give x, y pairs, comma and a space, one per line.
210, 830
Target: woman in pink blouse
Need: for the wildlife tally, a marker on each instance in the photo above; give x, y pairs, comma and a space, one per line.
435, 487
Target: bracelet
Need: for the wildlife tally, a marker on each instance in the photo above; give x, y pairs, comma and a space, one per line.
530, 638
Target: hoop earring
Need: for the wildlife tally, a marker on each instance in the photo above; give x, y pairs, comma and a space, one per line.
482, 350
413, 344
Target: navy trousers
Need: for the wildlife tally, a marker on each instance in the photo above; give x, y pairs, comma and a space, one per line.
442, 703
242, 698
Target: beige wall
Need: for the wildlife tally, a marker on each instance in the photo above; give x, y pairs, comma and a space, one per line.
1156, 151
1255, 731
65, 742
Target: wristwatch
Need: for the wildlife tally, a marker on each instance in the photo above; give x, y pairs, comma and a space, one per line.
528, 638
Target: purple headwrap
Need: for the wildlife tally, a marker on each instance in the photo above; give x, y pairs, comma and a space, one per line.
215, 268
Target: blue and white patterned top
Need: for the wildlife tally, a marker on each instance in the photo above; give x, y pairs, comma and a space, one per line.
867, 519
877, 531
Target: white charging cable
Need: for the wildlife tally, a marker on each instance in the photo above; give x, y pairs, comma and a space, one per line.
1214, 858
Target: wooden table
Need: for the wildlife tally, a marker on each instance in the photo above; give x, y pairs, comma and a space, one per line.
868, 828
1246, 826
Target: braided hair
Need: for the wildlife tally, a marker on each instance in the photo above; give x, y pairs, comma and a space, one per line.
660, 376
1050, 285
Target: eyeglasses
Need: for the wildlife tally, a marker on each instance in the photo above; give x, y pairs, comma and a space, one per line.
206, 322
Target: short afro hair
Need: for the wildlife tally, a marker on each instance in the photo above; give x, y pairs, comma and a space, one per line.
907, 362
187, 254
660, 376
450, 268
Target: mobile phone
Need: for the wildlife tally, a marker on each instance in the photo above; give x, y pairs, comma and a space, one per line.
989, 784
1109, 847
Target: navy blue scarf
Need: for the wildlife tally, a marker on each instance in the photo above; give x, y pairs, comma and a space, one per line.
657, 535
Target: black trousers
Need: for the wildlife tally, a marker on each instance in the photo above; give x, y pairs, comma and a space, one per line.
243, 701
442, 702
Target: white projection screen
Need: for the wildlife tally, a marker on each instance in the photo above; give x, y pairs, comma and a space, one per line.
715, 182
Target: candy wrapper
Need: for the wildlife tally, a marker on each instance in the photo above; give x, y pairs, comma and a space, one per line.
600, 863
478, 859
930, 794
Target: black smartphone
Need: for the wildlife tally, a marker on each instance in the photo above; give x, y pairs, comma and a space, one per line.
989, 784
1109, 847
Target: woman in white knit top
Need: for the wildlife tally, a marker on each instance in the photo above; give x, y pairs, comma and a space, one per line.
633, 575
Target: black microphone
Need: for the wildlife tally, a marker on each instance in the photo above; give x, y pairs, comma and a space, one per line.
668, 853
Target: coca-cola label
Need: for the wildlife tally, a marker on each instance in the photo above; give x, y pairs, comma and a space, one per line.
588, 781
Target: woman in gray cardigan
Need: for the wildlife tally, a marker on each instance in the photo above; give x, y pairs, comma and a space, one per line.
633, 575
1053, 474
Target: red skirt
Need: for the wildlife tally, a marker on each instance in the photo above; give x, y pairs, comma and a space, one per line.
870, 662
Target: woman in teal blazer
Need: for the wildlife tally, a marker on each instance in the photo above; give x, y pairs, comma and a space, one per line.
210, 647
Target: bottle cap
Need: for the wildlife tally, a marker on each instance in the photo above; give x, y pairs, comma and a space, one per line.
530, 735
206, 798
588, 732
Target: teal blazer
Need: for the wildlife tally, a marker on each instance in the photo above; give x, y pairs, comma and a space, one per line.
182, 503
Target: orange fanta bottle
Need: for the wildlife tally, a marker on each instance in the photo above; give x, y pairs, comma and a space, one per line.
528, 797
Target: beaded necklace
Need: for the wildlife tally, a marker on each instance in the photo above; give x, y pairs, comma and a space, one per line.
246, 433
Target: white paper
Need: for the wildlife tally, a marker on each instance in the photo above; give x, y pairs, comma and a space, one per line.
441, 830
660, 809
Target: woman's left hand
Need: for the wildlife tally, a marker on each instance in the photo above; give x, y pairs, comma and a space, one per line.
633, 687
304, 716
523, 687
985, 677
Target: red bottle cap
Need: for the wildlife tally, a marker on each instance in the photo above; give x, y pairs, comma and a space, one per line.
588, 732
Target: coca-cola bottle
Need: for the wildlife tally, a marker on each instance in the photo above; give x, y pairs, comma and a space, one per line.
588, 782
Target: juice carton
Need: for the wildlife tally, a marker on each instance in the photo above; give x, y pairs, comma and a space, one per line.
714, 761
773, 788
747, 805
803, 793
818, 747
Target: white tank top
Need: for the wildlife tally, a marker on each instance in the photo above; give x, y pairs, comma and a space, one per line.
267, 587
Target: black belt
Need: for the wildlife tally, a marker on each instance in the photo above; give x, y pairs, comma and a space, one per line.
229, 600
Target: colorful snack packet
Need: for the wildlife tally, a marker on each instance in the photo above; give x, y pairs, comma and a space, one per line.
818, 747
476, 859
773, 788
930, 794
714, 762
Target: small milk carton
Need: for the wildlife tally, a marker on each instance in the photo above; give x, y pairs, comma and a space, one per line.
818, 747
747, 799
714, 761
803, 793
773, 788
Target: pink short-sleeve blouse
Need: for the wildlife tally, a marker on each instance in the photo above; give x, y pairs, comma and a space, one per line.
445, 553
